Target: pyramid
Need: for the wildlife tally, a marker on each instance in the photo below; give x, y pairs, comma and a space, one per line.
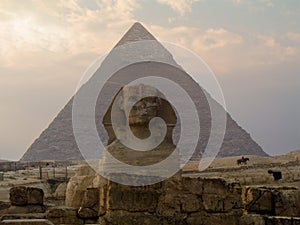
57, 142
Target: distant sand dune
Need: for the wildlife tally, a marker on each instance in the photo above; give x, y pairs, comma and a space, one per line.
229, 162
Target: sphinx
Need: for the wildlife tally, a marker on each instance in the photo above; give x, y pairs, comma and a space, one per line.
131, 107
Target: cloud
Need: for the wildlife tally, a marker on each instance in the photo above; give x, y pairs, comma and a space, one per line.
227, 51
204, 39
219, 38
63, 27
60, 30
180, 6
45, 46
274, 50
237, 2
267, 3
293, 36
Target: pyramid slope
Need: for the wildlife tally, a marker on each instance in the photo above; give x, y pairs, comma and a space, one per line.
57, 142
137, 32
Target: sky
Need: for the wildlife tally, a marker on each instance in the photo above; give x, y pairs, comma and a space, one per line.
252, 46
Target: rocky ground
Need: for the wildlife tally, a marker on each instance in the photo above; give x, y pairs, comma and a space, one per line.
255, 172
229, 162
71, 196
31, 178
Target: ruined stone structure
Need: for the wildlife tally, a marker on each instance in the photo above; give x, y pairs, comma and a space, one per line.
185, 200
57, 142
180, 200
26, 207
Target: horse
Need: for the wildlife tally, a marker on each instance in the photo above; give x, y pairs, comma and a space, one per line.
242, 161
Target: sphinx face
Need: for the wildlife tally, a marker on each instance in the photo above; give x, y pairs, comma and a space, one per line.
142, 111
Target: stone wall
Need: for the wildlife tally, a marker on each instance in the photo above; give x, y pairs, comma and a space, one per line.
26, 207
178, 200
187, 201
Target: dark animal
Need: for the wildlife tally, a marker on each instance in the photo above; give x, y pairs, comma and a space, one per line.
242, 161
276, 174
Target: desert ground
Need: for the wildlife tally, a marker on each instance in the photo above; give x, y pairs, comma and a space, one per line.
254, 173
71, 193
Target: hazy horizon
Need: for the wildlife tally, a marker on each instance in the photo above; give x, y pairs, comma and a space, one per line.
253, 47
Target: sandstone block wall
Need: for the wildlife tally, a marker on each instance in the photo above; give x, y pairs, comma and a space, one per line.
184, 200
22, 196
25, 200
63, 215
276, 201
27, 222
179, 200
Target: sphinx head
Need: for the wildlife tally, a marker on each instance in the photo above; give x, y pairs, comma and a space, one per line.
139, 110
136, 106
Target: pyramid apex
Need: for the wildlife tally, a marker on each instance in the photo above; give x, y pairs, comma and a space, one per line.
137, 24
137, 32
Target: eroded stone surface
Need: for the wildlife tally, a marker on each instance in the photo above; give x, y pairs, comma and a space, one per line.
277, 201
18, 196
90, 203
77, 186
27, 222
63, 215
252, 219
22, 196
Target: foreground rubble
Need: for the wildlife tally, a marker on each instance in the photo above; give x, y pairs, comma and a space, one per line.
182, 199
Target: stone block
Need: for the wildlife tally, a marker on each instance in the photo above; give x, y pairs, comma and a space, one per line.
60, 192
252, 219
125, 218
233, 201
277, 220
169, 204
76, 188
192, 185
91, 198
23, 216
296, 221
63, 215
257, 199
18, 196
222, 203
286, 202
25, 209
103, 202
213, 203
66, 221
90, 203
22, 196
87, 213
61, 211
212, 219
132, 199
27, 222
172, 184
4, 205
191, 203
216, 186
35, 196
